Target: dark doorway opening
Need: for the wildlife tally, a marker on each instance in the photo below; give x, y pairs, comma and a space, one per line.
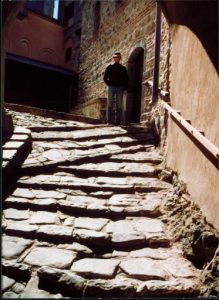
134, 96
39, 87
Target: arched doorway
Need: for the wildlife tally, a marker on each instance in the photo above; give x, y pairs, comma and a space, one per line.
134, 95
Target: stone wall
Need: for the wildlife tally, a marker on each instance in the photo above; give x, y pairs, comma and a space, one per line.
95, 109
123, 26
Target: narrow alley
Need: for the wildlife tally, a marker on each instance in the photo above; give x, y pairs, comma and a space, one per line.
86, 217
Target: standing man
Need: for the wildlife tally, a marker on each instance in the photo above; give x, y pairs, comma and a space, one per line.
116, 77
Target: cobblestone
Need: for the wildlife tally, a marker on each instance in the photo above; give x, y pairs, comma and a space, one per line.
85, 217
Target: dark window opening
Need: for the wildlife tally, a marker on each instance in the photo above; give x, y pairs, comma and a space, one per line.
78, 32
69, 11
50, 8
68, 53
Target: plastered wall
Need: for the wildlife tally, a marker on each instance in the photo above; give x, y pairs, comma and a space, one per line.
194, 91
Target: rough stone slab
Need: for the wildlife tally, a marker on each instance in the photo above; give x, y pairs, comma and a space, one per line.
68, 206
90, 223
19, 137
7, 283
72, 192
91, 236
23, 193
70, 221
39, 203
112, 181
98, 268
22, 130
12, 145
115, 210
114, 168
158, 253
31, 162
128, 239
55, 231
124, 200
52, 257
124, 234
157, 239
56, 154
8, 154
77, 134
17, 201
144, 269
121, 226
21, 228
152, 183
141, 156
101, 194
44, 217
180, 267
149, 225
151, 205
118, 287
43, 203
15, 214
97, 208
33, 291
120, 253
76, 247
13, 246
41, 194
86, 200
67, 280
106, 183
171, 287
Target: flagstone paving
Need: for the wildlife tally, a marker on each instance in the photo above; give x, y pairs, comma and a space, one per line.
86, 218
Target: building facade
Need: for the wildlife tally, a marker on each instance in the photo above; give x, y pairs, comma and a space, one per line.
127, 26
42, 55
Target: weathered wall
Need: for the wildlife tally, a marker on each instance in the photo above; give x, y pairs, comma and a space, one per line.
49, 36
194, 91
123, 26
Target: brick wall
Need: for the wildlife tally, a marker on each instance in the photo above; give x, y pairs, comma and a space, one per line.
124, 26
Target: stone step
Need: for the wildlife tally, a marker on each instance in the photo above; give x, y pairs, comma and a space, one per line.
111, 169
120, 184
114, 144
140, 156
95, 232
61, 270
86, 218
86, 135
107, 204
85, 126
54, 157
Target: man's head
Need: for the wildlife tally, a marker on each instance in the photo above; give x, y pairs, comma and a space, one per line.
117, 57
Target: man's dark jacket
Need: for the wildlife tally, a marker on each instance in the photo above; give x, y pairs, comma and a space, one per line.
116, 75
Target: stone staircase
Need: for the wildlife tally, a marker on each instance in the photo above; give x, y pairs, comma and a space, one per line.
86, 218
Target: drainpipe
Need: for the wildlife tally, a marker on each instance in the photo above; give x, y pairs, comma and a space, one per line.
156, 54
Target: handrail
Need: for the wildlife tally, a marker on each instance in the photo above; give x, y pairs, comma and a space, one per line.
204, 144
199, 137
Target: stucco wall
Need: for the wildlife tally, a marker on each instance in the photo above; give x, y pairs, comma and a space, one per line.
194, 91
40, 38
